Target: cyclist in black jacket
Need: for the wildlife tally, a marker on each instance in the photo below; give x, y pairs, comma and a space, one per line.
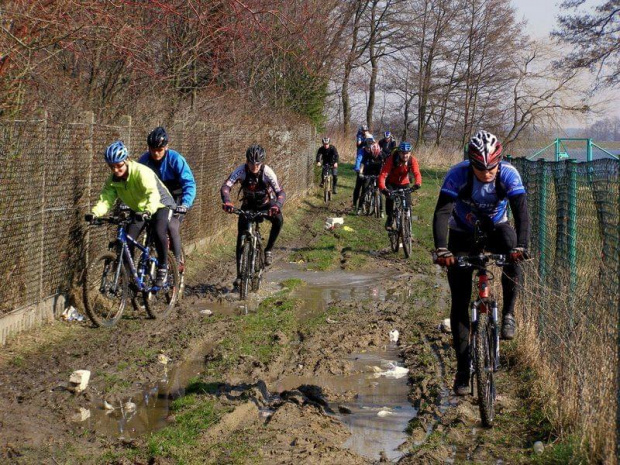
387, 144
328, 155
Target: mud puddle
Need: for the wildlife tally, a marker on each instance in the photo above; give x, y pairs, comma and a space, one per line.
371, 399
149, 411
375, 408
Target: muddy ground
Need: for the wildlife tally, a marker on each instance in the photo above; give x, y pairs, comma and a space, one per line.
255, 421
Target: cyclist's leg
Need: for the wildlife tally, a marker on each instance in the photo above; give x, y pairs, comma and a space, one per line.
364, 189
159, 223
134, 229
334, 178
460, 292
389, 208
356, 191
502, 240
276, 225
174, 230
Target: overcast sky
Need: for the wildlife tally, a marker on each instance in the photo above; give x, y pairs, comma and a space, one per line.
540, 15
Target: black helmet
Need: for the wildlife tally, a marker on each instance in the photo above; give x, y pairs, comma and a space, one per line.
157, 138
255, 154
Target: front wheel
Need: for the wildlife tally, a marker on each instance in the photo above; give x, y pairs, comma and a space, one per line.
485, 366
405, 227
245, 268
159, 303
327, 189
105, 296
378, 201
259, 266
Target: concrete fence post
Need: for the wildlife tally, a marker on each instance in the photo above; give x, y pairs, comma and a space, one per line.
125, 122
42, 190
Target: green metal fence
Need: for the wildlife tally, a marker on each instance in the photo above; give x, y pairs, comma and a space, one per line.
571, 291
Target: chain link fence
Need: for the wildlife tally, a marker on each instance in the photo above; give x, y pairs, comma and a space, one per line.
571, 294
51, 173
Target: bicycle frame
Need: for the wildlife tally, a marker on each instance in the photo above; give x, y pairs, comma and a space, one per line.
123, 240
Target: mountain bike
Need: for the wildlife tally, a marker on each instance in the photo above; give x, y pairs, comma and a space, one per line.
372, 202
484, 333
112, 277
252, 260
327, 183
400, 232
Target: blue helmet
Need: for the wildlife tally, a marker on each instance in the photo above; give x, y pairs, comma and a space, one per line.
387, 134
116, 152
404, 147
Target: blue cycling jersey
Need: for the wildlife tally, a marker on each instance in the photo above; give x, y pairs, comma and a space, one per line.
485, 200
176, 175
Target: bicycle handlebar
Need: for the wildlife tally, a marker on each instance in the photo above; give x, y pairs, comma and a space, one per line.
250, 215
401, 191
481, 260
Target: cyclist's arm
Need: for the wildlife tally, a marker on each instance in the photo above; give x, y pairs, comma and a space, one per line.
518, 205
318, 155
186, 179
272, 180
358, 160
443, 210
336, 156
106, 199
236, 176
385, 170
415, 167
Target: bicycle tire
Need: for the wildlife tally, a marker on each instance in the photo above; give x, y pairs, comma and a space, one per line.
377, 196
103, 307
327, 189
244, 269
159, 304
394, 243
367, 204
257, 276
405, 227
484, 367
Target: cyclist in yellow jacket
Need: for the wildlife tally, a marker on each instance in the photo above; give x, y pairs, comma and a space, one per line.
138, 187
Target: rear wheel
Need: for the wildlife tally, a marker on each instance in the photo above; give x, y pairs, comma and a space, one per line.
244, 269
405, 227
159, 303
484, 366
104, 298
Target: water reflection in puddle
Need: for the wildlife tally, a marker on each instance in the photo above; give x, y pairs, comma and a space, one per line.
379, 410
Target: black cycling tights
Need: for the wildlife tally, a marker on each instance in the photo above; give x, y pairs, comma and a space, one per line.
501, 240
159, 222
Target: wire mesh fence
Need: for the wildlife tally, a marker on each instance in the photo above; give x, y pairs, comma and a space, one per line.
51, 173
571, 293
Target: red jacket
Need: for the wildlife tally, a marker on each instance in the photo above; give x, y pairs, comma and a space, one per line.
398, 173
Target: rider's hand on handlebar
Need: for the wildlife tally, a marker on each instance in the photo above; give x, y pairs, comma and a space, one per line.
181, 209
89, 217
318, 163
142, 216
443, 257
386, 192
228, 207
274, 210
361, 175
416, 187
518, 254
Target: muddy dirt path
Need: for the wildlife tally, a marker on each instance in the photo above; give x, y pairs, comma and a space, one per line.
345, 365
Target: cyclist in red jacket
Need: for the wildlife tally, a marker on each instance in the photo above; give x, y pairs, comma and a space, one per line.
396, 173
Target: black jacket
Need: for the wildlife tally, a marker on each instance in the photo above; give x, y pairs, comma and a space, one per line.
328, 155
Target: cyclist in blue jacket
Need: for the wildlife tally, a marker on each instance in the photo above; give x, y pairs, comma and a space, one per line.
172, 168
479, 190
363, 139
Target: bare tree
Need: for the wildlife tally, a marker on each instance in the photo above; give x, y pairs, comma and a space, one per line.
595, 38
